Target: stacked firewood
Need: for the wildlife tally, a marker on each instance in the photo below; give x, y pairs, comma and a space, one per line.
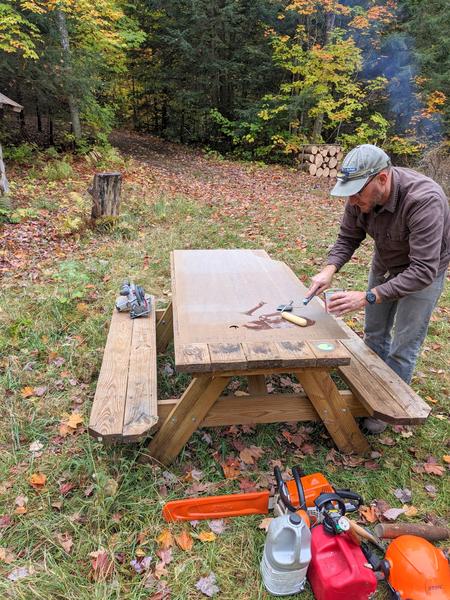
320, 160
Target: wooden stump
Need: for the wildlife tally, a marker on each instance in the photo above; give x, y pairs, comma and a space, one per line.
105, 191
4, 187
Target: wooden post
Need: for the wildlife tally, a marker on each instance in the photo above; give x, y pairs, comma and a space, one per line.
105, 191
4, 187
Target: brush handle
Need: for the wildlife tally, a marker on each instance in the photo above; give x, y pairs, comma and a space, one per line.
294, 319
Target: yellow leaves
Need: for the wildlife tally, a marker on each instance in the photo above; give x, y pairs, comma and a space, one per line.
165, 539
446, 458
206, 536
70, 425
410, 511
38, 480
27, 392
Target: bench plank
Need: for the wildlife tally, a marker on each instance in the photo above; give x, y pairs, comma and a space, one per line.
385, 395
141, 407
106, 420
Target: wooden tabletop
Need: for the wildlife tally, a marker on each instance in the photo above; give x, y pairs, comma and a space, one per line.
225, 315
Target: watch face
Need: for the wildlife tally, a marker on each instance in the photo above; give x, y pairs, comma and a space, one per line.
371, 298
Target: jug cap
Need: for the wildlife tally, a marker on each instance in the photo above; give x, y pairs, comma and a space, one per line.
295, 519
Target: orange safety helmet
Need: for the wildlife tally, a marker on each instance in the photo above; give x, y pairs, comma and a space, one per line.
417, 569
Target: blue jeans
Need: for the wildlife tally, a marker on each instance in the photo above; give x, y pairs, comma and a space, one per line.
396, 329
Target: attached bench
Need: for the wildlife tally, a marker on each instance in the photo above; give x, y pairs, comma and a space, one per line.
378, 388
125, 407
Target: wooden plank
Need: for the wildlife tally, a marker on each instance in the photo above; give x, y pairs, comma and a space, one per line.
141, 407
330, 353
257, 385
334, 413
193, 358
164, 329
226, 355
186, 416
296, 353
261, 354
106, 419
385, 395
271, 408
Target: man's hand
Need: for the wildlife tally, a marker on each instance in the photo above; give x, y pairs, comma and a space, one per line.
321, 281
342, 303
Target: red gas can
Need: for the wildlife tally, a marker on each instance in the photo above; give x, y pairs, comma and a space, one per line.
337, 569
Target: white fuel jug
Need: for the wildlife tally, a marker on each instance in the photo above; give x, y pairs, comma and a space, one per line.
286, 556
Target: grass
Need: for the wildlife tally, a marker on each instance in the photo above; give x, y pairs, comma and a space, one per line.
52, 333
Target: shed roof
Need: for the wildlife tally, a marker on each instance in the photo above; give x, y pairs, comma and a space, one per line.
4, 100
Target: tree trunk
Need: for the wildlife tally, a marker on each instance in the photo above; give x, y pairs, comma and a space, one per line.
317, 129
38, 118
51, 137
73, 104
4, 187
105, 191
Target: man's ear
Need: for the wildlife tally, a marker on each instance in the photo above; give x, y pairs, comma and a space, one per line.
383, 177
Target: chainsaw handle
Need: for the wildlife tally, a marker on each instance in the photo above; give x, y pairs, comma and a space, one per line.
296, 472
282, 490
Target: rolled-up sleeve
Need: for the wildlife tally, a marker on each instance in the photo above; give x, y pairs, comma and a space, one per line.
425, 225
350, 236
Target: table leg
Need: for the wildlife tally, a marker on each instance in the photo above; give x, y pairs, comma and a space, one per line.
164, 330
257, 385
336, 416
186, 417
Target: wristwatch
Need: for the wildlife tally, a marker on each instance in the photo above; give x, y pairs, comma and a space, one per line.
370, 297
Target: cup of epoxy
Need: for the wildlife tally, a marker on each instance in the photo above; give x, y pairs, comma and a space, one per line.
328, 293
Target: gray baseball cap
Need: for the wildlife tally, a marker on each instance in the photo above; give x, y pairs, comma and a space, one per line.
358, 167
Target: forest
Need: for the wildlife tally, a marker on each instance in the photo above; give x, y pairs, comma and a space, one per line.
257, 79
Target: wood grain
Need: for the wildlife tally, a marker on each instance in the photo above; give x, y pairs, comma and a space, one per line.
271, 408
106, 419
141, 406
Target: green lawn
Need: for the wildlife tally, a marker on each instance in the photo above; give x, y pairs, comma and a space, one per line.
56, 299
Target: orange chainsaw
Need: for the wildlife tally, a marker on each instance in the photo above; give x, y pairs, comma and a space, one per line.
293, 495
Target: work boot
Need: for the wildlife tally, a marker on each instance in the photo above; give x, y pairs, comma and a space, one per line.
373, 426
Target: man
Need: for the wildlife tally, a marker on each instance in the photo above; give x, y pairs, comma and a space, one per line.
407, 215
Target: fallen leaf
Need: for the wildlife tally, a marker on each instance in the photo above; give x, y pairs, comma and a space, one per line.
27, 392
218, 526
40, 390
165, 539
184, 541
250, 455
386, 441
5, 521
404, 495
37, 480
206, 536
35, 447
74, 420
165, 555
21, 504
369, 514
102, 565
66, 488
7, 556
446, 458
241, 393
65, 540
431, 490
20, 573
393, 513
265, 523
410, 511
231, 472
207, 585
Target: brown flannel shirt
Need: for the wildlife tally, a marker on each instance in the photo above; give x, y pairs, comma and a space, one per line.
411, 233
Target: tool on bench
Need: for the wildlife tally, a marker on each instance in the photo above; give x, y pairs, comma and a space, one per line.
133, 299
286, 310
286, 307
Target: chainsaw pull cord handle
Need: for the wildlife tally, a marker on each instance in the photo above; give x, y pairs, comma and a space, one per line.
297, 472
282, 490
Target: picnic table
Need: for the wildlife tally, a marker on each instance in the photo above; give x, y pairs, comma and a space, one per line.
224, 323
